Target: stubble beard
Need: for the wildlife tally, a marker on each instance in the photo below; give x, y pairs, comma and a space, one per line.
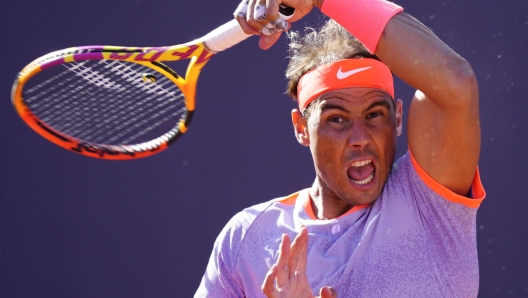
338, 190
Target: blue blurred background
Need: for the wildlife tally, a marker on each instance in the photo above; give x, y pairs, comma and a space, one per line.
72, 226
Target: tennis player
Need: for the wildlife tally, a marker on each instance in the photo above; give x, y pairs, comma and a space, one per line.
368, 226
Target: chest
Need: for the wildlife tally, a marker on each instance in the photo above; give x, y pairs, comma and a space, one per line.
342, 254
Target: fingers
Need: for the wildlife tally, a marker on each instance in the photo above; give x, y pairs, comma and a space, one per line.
246, 27
296, 247
252, 16
241, 10
266, 41
287, 277
243, 13
302, 239
268, 287
272, 10
265, 23
272, 15
283, 275
266, 12
261, 17
297, 261
327, 292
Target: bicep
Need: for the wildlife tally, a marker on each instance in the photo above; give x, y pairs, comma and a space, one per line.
445, 140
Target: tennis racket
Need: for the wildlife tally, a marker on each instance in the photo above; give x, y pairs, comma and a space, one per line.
114, 102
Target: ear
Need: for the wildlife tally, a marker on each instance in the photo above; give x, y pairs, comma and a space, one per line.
300, 128
398, 106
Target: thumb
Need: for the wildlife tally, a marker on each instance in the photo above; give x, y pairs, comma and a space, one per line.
327, 292
266, 41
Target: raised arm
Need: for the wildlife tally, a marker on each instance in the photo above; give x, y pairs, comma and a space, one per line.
443, 123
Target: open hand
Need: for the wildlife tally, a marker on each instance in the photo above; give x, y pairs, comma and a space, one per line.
287, 277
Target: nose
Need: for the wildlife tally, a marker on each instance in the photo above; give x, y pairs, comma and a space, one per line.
359, 136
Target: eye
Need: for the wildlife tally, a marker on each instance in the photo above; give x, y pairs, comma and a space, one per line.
336, 119
374, 114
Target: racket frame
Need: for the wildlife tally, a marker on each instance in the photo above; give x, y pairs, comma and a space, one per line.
150, 57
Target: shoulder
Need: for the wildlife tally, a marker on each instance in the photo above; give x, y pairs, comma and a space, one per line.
223, 277
235, 231
239, 224
409, 180
243, 220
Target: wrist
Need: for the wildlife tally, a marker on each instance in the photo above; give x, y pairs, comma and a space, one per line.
364, 19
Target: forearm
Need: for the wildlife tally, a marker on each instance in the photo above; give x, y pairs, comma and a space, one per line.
443, 125
408, 47
425, 62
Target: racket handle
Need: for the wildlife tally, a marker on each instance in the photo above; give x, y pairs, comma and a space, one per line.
225, 36
230, 33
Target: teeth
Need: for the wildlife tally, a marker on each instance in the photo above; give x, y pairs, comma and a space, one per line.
361, 163
364, 181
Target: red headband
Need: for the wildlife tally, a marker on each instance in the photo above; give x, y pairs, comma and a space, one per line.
364, 72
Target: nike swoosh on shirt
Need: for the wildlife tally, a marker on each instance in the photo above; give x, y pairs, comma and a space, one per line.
343, 75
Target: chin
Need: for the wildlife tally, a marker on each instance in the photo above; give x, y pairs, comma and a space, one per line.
364, 181
362, 199
364, 193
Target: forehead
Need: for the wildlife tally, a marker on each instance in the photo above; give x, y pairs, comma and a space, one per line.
354, 97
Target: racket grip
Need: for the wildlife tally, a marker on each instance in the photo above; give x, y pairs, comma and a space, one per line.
225, 36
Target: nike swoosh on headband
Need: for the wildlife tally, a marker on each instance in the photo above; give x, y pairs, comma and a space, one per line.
343, 75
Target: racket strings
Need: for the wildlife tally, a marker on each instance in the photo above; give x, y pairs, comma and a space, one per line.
105, 102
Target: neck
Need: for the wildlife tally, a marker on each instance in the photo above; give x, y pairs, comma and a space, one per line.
325, 203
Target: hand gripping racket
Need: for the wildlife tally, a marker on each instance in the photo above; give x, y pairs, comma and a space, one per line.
116, 102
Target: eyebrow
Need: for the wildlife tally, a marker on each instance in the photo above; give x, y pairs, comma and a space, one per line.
329, 106
382, 103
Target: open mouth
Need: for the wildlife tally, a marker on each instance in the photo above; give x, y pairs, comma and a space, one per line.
361, 172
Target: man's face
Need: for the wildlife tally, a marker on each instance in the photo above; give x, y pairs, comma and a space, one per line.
352, 136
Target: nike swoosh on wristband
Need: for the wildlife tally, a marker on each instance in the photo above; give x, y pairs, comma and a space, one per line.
343, 75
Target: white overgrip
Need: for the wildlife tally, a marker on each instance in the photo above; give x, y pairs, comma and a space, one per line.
225, 36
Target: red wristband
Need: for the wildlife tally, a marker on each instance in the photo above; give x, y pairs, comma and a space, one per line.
364, 19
